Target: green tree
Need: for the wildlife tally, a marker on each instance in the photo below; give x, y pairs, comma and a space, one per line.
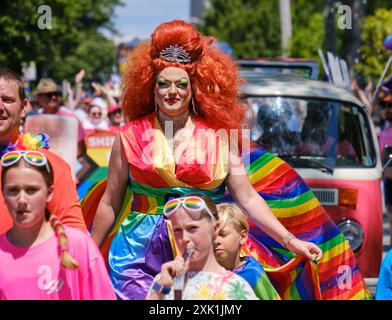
75, 24
308, 28
250, 27
373, 5
373, 54
95, 54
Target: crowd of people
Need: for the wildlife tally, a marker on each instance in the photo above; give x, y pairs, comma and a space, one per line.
197, 227
96, 107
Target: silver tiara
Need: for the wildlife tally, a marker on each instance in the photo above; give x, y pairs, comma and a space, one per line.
175, 54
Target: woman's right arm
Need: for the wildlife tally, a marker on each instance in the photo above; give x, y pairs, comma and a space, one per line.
112, 200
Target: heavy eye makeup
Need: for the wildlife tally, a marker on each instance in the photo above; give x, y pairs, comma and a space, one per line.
181, 84
162, 83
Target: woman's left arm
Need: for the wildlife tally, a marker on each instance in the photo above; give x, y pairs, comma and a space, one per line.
261, 214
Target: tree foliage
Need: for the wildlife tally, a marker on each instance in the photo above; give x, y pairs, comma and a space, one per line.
308, 28
73, 41
373, 54
250, 27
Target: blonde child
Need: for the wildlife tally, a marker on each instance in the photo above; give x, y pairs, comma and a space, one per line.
232, 235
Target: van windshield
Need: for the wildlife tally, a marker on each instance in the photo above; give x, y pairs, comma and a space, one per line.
311, 133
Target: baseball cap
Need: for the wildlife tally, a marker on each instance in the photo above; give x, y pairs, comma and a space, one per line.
113, 108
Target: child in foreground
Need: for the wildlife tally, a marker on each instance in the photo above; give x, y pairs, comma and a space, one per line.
201, 277
40, 258
232, 235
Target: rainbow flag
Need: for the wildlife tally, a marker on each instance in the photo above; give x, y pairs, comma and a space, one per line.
297, 208
253, 272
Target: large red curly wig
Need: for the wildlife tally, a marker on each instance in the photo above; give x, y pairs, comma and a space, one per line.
213, 74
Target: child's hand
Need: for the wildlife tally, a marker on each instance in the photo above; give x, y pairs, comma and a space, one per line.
172, 269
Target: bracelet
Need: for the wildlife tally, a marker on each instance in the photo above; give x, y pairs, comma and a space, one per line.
160, 289
286, 239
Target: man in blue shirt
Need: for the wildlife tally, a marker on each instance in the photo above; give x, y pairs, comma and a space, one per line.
384, 285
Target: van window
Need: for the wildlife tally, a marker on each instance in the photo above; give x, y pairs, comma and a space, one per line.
310, 133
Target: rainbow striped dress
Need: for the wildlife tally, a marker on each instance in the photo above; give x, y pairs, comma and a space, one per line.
141, 240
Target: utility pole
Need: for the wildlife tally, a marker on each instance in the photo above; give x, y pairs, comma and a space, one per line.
285, 26
330, 29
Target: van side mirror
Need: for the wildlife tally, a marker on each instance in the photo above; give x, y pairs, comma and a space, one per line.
386, 157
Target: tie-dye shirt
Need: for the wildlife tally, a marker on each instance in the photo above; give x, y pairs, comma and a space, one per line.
214, 286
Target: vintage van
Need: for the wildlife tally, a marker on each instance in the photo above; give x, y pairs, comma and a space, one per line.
326, 134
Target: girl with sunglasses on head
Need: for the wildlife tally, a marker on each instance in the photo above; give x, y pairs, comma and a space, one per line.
194, 222
40, 258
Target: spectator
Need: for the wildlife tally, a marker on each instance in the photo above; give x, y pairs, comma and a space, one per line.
116, 118
49, 99
65, 200
82, 110
385, 139
94, 121
384, 284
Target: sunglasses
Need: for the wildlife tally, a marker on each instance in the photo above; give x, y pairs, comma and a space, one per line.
34, 158
193, 205
51, 94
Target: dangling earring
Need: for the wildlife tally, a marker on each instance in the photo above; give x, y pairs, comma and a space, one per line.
156, 108
193, 107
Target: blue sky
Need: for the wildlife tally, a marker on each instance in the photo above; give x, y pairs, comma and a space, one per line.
140, 17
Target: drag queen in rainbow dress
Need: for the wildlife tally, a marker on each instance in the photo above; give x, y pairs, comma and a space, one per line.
179, 92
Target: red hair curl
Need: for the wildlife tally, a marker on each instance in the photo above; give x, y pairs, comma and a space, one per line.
213, 74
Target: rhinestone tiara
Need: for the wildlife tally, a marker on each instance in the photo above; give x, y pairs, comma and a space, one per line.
175, 54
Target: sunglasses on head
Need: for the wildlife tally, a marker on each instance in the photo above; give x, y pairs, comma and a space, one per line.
34, 158
194, 206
